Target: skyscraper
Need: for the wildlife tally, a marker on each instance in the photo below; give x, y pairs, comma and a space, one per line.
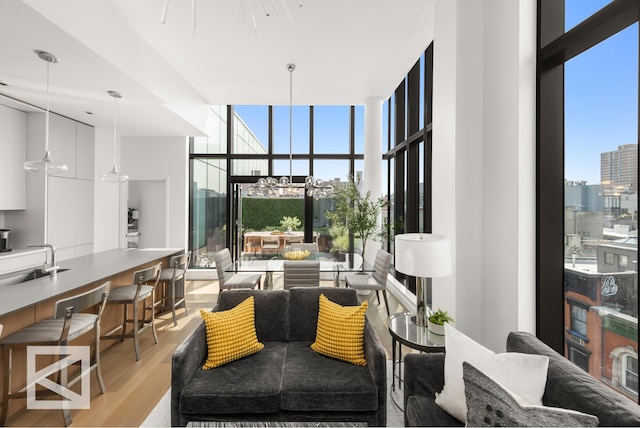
620, 168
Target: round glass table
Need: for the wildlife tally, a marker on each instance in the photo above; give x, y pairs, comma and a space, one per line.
405, 331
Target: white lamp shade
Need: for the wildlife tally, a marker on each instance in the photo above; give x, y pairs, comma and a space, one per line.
423, 255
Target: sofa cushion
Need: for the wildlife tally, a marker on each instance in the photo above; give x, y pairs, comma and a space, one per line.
303, 308
523, 374
340, 332
570, 387
313, 382
421, 411
231, 334
271, 311
248, 385
489, 404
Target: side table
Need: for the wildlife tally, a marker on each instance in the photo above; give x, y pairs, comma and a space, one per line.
405, 331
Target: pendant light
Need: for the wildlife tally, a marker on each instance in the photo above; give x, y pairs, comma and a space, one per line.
114, 176
46, 165
268, 186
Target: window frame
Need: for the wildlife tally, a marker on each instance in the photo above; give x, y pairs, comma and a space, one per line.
555, 47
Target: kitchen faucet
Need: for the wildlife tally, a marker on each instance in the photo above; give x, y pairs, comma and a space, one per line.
53, 269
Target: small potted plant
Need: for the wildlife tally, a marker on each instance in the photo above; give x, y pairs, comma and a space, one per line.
290, 223
435, 322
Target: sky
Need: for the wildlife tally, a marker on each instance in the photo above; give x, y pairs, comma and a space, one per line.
601, 96
601, 109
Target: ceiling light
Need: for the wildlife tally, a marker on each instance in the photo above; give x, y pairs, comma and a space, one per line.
268, 186
239, 7
114, 176
46, 165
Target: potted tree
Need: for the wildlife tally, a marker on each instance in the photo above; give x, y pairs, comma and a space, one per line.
357, 212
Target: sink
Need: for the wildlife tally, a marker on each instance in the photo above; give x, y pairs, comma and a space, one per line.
37, 273
22, 276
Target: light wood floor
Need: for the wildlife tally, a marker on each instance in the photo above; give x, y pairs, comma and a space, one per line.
135, 387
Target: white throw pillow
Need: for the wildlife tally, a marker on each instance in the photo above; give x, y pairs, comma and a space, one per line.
524, 374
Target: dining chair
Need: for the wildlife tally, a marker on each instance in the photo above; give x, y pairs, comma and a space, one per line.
173, 277
232, 280
377, 281
139, 292
301, 273
292, 239
270, 244
70, 321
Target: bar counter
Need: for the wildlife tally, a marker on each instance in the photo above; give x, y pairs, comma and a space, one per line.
83, 271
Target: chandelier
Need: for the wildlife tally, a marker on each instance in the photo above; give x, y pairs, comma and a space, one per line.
248, 14
270, 186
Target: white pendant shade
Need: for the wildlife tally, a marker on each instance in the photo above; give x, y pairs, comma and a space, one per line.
46, 165
114, 176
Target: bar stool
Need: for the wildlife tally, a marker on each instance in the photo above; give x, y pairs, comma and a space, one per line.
138, 292
67, 323
176, 273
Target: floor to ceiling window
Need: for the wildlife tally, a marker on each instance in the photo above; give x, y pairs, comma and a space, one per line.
407, 136
587, 186
326, 142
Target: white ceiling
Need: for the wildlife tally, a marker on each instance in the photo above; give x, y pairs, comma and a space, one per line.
344, 50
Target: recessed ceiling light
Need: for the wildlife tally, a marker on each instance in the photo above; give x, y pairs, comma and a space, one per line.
88, 112
3, 84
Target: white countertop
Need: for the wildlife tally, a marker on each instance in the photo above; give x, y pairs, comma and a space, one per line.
82, 271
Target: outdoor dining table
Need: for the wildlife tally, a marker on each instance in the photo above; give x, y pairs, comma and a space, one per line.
276, 264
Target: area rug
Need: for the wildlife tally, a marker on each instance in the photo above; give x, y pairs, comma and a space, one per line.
160, 416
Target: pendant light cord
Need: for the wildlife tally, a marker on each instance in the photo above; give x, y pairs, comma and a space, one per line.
46, 132
291, 68
115, 127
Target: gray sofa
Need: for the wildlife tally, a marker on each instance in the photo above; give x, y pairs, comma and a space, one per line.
568, 387
287, 381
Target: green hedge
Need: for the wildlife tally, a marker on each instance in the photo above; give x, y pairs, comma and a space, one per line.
265, 213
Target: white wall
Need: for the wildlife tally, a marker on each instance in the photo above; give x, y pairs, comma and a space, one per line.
163, 158
483, 143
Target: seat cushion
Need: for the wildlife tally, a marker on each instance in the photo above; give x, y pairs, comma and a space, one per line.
231, 334
340, 331
363, 282
313, 382
49, 330
241, 280
248, 385
167, 274
127, 293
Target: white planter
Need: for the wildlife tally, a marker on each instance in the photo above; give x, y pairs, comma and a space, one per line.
435, 328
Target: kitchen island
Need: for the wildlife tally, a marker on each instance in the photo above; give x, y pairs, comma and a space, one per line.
82, 271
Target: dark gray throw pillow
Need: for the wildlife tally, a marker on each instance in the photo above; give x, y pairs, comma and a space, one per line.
488, 404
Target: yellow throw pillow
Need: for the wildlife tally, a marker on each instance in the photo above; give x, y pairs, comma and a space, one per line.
231, 334
340, 332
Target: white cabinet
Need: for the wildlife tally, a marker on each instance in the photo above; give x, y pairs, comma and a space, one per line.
13, 149
70, 196
62, 142
85, 151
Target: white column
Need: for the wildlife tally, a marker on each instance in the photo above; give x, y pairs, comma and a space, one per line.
372, 180
373, 146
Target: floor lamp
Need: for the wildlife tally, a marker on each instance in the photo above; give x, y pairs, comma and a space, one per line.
423, 255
